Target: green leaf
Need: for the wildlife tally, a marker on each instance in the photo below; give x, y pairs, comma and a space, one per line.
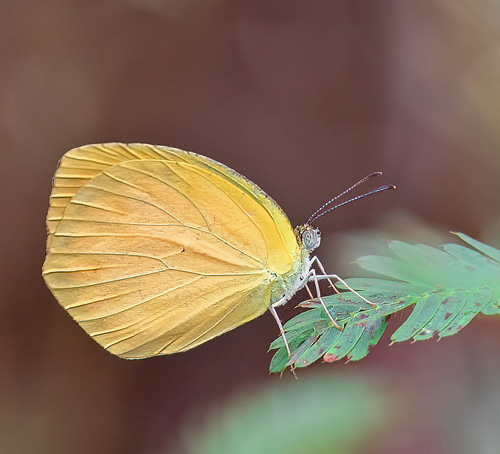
421, 316
319, 348
372, 332
344, 343
474, 303
447, 287
484, 248
280, 359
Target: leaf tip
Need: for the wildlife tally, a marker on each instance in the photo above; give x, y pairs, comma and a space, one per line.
330, 358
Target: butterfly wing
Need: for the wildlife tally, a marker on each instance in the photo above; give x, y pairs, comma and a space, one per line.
81, 164
155, 250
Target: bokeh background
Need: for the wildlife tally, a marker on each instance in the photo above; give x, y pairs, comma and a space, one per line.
303, 98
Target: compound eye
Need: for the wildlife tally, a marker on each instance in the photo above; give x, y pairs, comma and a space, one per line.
311, 239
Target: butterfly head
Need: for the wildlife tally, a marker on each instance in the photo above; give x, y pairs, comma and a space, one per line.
308, 236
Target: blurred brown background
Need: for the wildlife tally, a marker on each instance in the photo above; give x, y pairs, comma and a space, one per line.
303, 98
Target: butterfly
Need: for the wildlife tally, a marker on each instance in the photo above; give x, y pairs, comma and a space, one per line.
154, 250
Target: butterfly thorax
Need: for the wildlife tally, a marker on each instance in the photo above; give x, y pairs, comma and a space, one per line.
286, 285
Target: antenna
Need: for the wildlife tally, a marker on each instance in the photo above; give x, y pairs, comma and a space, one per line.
319, 212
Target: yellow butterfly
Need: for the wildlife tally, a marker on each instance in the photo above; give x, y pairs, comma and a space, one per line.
154, 250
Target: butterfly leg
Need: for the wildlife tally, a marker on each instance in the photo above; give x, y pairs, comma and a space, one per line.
280, 326
339, 279
322, 269
314, 277
309, 291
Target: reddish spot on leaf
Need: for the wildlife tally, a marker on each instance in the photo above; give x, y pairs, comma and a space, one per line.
362, 316
447, 315
445, 300
330, 358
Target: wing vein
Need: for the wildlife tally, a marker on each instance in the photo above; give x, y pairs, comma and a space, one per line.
86, 158
207, 330
126, 254
151, 320
92, 205
89, 185
142, 302
240, 208
154, 237
175, 189
131, 151
134, 276
100, 300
